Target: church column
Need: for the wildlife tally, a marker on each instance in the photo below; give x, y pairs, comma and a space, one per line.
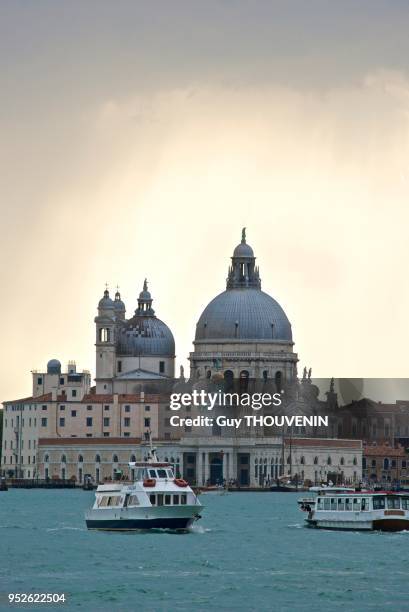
206, 467
253, 481
199, 469
226, 460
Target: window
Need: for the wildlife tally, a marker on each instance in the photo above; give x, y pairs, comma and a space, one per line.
44, 407
106, 407
89, 407
73, 413
327, 504
152, 499
342, 461
115, 459
80, 459
126, 434
74, 393
106, 421
62, 407
348, 504
167, 500
89, 421
147, 408
147, 422
405, 503
133, 501
39, 381
176, 500
329, 461
161, 367
62, 422
127, 409
119, 366
106, 434
365, 504
393, 502
333, 503
183, 499
89, 435
386, 464
355, 461
127, 422
302, 461
63, 459
104, 334
43, 422
315, 460
61, 380
357, 504
378, 503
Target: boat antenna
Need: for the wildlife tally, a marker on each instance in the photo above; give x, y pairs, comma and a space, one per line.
152, 451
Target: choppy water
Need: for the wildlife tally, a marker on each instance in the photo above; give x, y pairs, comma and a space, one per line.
249, 552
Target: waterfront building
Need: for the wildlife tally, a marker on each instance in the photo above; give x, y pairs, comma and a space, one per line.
385, 464
243, 342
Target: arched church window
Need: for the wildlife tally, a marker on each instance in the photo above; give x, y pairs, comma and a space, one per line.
228, 381
104, 334
355, 462
115, 459
315, 460
302, 460
133, 459
80, 458
244, 381
278, 379
329, 461
63, 459
46, 458
265, 375
97, 459
289, 459
342, 461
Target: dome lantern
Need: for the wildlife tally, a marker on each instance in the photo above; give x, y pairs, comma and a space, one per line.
243, 272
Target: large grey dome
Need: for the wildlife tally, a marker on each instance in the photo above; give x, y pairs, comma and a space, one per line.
54, 366
243, 314
145, 335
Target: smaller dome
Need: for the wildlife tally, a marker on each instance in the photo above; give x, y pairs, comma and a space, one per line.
54, 366
144, 294
106, 303
243, 250
118, 304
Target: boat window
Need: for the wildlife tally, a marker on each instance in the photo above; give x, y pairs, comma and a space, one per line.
160, 499
183, 499
405, 503
152, 499
133, 501
114, 501
341, 504
176, 500
378, 503
167, 500
152, 473
327, 504
103, 501
393, 502
357, 504
333, 503
319, 500
169, 473
348, 504
162, 474
365, 504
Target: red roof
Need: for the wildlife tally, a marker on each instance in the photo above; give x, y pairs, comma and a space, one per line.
384, 451
87, 441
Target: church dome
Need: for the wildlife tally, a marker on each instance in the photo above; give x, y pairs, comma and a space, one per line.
145, 336
105, 303
243, 314
243, 311
54, 366
243, 250
144, 333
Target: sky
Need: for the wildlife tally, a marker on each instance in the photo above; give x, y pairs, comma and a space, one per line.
138, 138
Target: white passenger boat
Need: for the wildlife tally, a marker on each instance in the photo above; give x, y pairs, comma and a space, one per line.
155, 500
353, 509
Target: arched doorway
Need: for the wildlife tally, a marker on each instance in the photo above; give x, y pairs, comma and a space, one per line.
216, 469
228, 381
244, 381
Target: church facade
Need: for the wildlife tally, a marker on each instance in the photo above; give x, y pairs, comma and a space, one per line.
243, 343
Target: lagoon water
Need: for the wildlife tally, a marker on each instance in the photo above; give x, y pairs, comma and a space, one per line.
250, 551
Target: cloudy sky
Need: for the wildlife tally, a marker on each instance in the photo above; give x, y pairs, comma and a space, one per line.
137, 138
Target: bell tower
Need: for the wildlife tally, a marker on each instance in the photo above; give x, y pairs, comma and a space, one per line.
105, 344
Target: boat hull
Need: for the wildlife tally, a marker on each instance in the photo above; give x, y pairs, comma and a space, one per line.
371, 525
141, 524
